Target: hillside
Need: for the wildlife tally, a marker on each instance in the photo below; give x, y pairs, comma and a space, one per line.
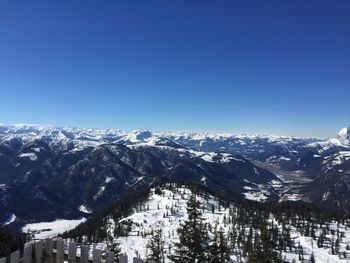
295, 232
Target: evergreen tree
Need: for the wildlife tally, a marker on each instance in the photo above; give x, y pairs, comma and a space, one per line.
219, 250
264, 252
301, 253
312, 258
156, 246
337, 246
193, 245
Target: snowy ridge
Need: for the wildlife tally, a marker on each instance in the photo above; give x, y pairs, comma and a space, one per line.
91, 137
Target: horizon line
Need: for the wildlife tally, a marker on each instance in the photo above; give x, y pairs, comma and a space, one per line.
226, 133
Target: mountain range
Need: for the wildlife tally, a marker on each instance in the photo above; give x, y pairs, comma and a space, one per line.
48, 173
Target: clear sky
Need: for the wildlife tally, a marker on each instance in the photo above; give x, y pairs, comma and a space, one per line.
279, 67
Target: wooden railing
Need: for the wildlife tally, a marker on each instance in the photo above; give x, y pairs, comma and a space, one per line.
54, 251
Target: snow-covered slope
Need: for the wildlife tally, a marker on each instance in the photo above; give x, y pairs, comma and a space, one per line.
344, 137
166, 210
50, 229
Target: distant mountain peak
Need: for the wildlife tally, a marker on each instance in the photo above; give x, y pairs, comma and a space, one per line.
344, 136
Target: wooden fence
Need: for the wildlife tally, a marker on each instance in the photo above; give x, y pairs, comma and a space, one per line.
54, 251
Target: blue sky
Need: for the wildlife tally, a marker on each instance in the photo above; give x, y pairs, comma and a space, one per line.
278, 67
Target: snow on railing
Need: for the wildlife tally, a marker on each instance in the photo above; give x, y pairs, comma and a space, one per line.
54, 251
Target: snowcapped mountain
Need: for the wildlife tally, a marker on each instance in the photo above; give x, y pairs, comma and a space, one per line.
344, 137
288, 152
59, 170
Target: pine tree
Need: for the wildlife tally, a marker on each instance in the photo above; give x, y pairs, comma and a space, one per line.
312, 258
264, 252
214, 249
337, 246
219, 251
156, 246
301, 252
193, 245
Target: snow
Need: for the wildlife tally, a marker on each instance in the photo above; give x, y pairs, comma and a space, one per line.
85, 137
284, 158
213, 156
343, 132
204, 180
208, 157
325, 196
344, 137
31, 156
51, 229
84, 209
99, 192
36, 149
261, 192
109, 179
291, 197
321, 255
337, 159
255, 196
10, 220
168, 210
239, 160
156, 217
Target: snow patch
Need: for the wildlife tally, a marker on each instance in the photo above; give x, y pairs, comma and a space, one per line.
255, 196
109, 179
51, 229
11, 219
31, 156
84, 209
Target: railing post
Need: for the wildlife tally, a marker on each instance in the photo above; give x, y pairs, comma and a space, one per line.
3, 260
137, 260
39, 251
96, 256
60, 251
109, 257
27, 252
72, 252
123, 259
48, 249
15, 257
84, 254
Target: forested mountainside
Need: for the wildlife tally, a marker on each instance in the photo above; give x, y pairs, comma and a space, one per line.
187, 223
